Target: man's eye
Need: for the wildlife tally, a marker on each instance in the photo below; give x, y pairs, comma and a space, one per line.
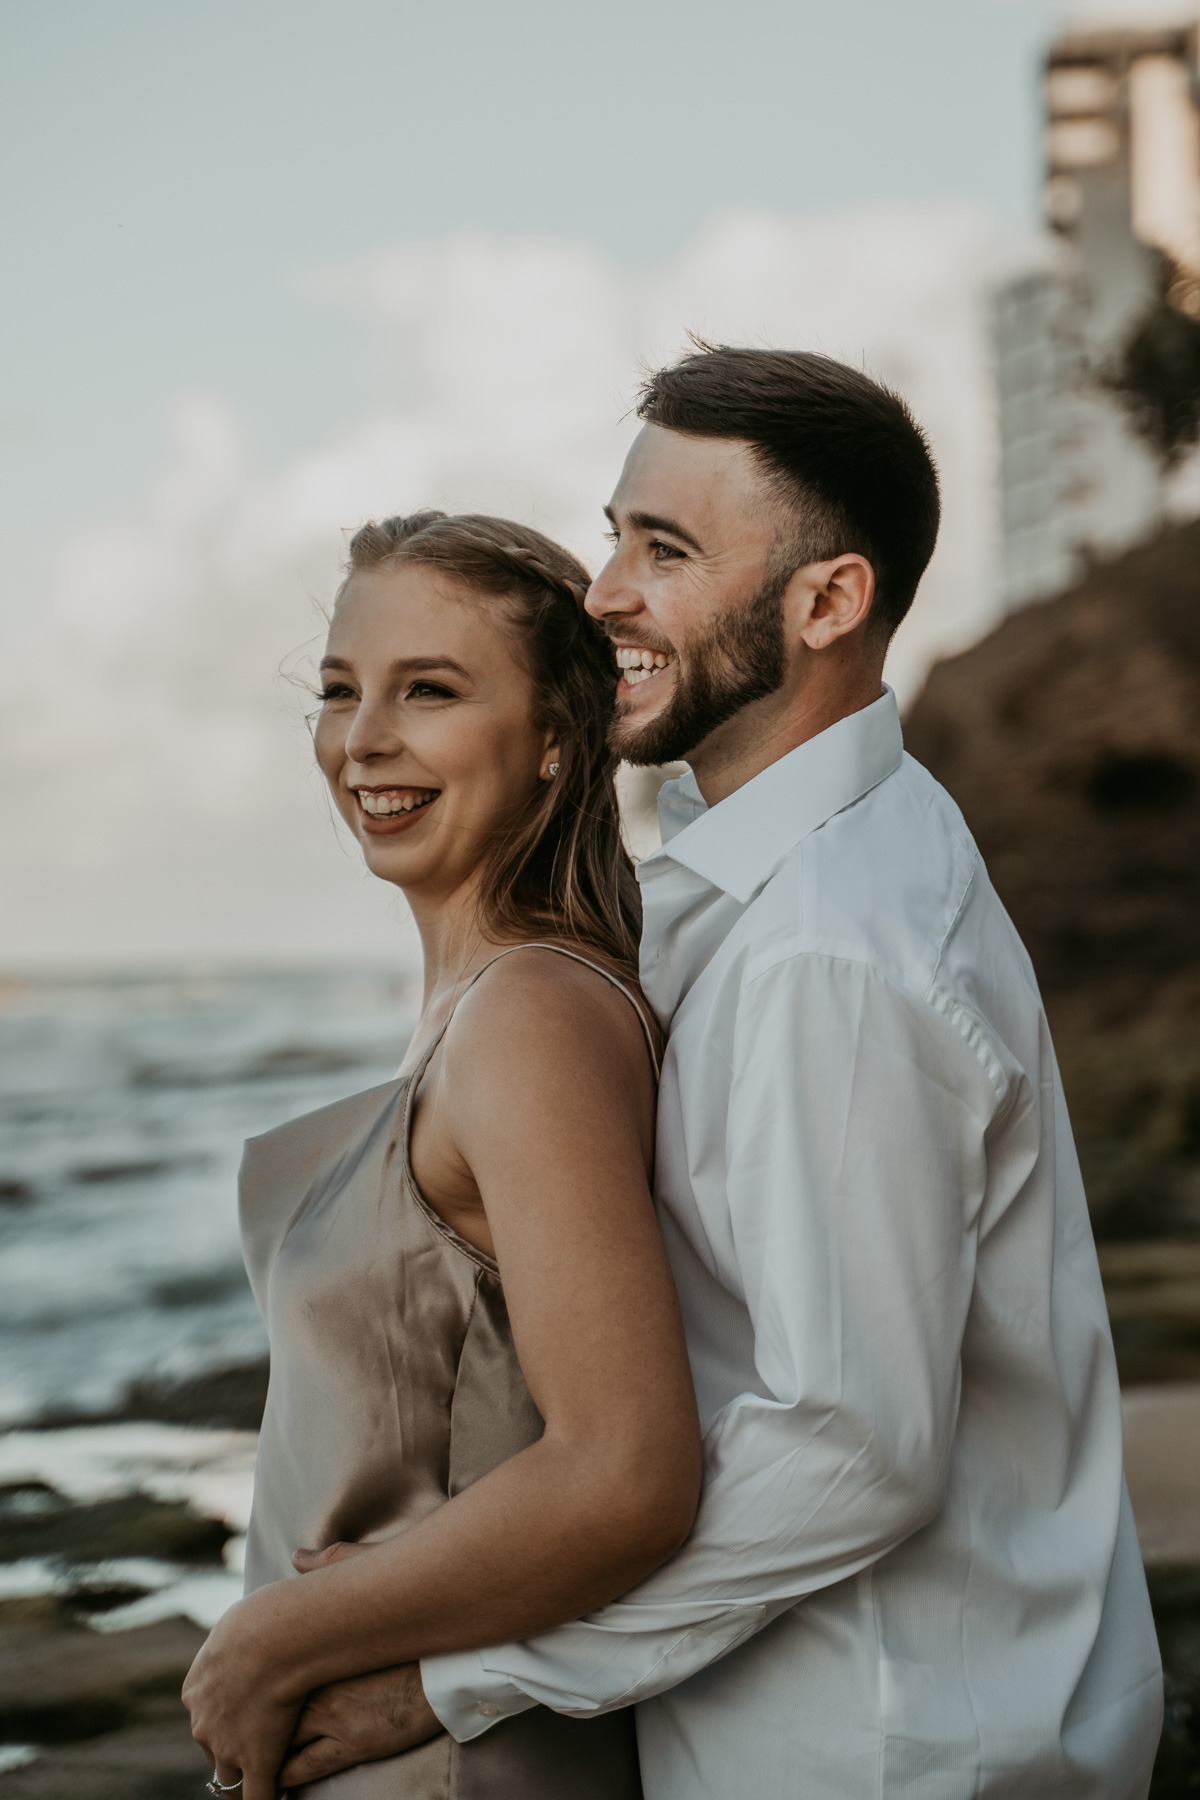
612, 537
664, 552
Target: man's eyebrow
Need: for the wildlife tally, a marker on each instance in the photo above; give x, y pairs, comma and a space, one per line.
642, 521
411, 664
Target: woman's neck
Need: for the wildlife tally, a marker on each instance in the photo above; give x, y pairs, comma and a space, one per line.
455, 943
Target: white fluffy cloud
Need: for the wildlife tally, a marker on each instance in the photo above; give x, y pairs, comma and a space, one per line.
158, 795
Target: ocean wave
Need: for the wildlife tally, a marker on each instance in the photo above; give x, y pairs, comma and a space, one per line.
125, 1105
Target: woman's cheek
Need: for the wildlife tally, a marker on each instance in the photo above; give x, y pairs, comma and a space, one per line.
329, 747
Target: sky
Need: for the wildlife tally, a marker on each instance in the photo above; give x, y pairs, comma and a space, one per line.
270, 268
175, 179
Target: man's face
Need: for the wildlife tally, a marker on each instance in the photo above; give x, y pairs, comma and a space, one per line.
692, 593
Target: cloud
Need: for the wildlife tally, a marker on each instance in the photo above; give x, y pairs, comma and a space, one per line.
1129, 15
159, 794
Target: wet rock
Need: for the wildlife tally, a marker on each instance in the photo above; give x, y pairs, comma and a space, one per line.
104, 1711
37, 1522
1175, 1595
94, 1174
229, 1399
201, 1287
1153, 1292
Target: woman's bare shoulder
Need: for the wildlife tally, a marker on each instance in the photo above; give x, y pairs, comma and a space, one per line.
541, 1003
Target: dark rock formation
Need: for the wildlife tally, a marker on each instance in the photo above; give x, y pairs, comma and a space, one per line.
104, 1711
231, 1399
1071, 739
35, 1521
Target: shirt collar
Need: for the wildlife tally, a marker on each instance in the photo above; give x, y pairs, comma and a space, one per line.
738, 843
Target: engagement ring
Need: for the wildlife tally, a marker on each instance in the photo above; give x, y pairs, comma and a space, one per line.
216, 1786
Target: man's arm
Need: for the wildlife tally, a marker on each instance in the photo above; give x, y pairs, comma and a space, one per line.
856, 1169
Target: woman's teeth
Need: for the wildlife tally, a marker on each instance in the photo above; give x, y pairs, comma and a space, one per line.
640, 665
381, 806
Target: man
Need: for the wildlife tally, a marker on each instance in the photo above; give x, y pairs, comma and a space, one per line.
914, 1569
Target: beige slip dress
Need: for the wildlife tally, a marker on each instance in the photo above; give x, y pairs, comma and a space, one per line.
394, 1385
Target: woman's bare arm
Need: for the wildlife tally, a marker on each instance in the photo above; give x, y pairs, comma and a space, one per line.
545, 1077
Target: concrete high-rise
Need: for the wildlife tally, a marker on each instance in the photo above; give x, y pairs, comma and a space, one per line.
1122, 203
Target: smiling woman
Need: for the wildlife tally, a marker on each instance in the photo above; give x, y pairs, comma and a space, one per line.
480, 1419
440, 631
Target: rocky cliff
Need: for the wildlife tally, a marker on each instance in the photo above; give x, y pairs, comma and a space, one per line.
1071, 739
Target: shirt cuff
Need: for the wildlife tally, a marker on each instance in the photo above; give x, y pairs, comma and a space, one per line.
468, 1698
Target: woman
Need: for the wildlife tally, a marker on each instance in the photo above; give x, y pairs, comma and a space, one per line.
477, 1365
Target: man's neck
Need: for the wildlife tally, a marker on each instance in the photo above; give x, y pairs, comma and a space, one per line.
767, 730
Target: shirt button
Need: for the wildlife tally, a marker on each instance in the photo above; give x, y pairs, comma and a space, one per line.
489, 1709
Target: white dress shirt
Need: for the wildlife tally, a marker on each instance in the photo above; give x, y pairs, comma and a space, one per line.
914, 1570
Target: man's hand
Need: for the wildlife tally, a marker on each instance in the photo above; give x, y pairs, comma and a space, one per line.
357, 1721
360, 1720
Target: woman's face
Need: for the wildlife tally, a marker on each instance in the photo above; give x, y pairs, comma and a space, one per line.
426, 733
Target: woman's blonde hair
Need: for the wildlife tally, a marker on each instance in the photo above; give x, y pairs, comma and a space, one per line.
560, 866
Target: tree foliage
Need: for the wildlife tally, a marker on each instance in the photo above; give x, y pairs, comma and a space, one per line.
1158, 374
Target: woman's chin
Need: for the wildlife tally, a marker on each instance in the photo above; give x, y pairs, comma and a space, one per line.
393, 845
391, 859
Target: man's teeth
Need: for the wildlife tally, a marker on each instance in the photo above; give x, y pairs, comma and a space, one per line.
640, 665
381, 806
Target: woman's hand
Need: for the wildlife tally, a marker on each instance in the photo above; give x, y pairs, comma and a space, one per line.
243, 1709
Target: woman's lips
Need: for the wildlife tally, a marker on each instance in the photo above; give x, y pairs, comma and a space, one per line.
385, 812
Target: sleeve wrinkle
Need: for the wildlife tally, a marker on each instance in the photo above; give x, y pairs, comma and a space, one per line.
936, 1002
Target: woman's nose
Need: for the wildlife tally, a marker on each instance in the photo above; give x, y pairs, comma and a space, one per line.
372, 733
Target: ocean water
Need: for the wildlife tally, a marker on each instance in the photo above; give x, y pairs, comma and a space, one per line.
124, 1103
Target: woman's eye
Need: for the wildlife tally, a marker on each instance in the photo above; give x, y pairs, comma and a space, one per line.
336, 690
429, 690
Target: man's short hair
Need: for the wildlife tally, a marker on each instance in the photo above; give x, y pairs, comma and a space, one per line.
845, 455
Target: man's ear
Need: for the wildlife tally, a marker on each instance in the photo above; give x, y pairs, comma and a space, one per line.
836, 599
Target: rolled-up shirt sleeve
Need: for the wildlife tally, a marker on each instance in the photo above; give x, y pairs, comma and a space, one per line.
855, 1168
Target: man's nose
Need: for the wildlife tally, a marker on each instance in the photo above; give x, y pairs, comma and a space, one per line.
611, 594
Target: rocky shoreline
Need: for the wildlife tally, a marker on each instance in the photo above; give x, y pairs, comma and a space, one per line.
230, 1399
104, 1712
99, 1709
96, 1711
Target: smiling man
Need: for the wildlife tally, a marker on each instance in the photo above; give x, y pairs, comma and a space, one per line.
914, 1571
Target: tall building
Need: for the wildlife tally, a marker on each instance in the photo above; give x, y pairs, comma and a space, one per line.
1122, 203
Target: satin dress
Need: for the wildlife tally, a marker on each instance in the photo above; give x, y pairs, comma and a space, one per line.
394, 1385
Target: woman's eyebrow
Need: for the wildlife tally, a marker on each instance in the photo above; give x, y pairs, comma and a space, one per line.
412, 664
409, 664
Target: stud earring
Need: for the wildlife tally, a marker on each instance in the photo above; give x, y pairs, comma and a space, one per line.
554, 768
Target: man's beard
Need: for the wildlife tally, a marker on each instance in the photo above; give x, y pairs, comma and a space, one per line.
739, 659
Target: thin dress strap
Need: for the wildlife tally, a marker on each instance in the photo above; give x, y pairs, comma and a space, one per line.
559, 950
414, 1081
